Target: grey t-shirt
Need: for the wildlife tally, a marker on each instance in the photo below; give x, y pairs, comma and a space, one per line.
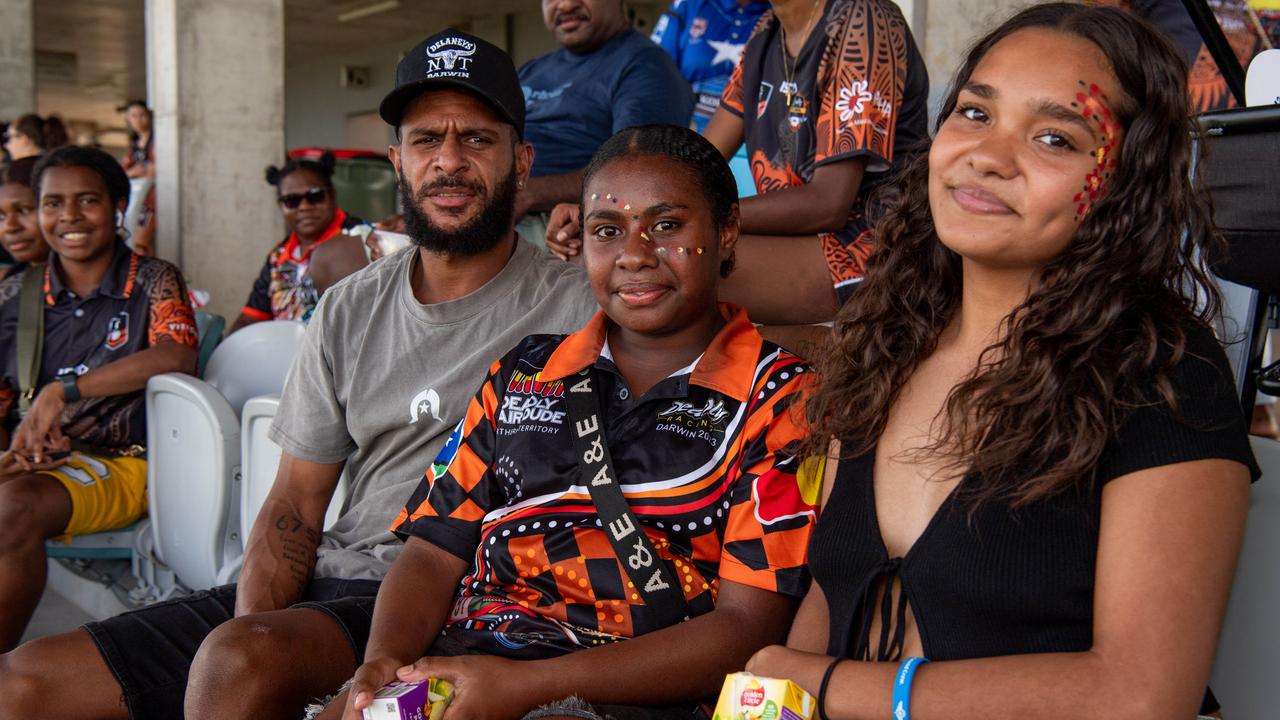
381, 380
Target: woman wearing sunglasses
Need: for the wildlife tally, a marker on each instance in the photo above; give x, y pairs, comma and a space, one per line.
283, 290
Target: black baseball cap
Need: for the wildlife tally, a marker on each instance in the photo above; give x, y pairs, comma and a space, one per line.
454, 59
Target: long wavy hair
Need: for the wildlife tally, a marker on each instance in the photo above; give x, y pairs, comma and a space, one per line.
1033, 417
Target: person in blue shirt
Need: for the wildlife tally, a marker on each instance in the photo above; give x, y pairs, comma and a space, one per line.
604, 77
706, 38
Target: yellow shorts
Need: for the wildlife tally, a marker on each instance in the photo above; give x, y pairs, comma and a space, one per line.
106, 492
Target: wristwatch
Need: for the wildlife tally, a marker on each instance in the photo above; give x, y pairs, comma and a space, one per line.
70, 392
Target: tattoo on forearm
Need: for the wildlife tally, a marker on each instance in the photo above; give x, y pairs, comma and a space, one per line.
297, 544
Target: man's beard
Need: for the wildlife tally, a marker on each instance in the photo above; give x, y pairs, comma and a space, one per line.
477, 236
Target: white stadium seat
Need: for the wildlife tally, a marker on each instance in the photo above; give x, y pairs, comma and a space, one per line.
194, 462
261, 457
254, 361
1249, 649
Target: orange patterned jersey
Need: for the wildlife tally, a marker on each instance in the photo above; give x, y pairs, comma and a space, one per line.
702, 458
1206, 86
140, 303
858, 88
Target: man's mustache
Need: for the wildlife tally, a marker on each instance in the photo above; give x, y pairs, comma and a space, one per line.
449, 183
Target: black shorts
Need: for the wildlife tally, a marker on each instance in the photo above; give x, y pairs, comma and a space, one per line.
149, 651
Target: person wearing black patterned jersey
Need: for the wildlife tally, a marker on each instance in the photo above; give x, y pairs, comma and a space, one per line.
511, 561
830, 96
112, 319
309, 203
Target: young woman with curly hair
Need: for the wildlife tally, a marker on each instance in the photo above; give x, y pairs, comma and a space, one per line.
1038, 471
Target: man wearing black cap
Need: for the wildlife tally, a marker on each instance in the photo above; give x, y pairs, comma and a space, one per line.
387, 367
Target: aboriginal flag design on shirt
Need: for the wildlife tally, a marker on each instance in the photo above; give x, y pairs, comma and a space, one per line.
701, 458
858, 88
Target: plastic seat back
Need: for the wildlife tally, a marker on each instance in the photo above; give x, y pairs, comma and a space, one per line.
193, 466
209, 328
261, 459
254, 361
1249, 649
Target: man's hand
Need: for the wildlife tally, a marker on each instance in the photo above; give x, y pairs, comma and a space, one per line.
40, 429
479, 689
564, 231
368, 679
393, 222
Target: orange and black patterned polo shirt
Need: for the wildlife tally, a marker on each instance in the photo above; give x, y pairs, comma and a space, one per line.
701, 457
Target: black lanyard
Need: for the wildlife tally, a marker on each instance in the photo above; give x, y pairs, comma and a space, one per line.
650, 574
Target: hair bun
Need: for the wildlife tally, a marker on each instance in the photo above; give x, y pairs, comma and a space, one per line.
273, 175
327, 163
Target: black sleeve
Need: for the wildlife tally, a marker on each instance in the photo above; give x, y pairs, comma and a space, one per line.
1208, 422
259, 303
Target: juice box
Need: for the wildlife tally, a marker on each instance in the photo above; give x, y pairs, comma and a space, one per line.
398, 700
747, 697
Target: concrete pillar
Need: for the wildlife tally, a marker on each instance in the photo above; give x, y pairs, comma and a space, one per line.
917, 14
492, 27
951, 27
215, 73
17, 58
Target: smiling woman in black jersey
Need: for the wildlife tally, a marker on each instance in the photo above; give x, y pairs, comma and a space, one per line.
1039, 471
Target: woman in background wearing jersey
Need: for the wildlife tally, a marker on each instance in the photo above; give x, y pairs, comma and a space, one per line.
284, 289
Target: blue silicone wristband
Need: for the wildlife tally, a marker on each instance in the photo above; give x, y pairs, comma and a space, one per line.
902, 687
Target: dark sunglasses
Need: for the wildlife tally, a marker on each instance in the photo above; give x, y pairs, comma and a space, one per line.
314, 196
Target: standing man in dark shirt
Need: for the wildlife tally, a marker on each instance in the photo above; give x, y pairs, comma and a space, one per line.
112, 320
605, 77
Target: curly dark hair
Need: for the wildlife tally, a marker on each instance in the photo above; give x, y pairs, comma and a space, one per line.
1033, 418
698, 156
105, 166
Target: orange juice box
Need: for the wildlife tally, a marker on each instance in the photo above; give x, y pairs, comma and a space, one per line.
747, 697
397, 700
